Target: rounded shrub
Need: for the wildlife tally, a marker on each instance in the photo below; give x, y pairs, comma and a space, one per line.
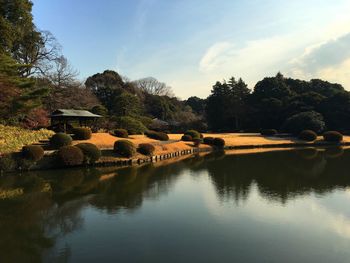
219, 142
146, 149
124, 148
186, 138
133, 126
197, 142
268, 132
60, 139
332, 136
82, 133
308, 135
122, 133
33, 152
193, 133
208, 140
161, 136
91, 152
70, 156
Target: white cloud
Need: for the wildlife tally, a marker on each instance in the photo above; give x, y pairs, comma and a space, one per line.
215, 56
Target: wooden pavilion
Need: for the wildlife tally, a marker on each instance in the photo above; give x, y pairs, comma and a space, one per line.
67, 117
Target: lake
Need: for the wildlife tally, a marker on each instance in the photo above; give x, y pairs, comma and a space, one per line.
280, 206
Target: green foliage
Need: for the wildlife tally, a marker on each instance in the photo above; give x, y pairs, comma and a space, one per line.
186, 138
70, 156
310, 120
8, 163
100, 110
122, 133
332, 136
146, 149
91, 152
33, 152
208, 140
60, 139
194, 134
219, 142
126, 104
124, 148
81, 133
130, 124
268, 132
161, 136
308, 135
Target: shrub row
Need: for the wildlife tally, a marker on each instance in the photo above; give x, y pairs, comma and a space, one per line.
161, 136
329, 136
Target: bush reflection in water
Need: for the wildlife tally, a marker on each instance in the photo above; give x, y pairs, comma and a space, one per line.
38, 207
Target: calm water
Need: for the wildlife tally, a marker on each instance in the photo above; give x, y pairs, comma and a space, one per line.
290, 206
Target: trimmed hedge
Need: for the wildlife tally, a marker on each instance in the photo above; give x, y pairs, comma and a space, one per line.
121, 133
146, 149
161, 136
219, 142
268, 132
33, 152
197, 142
208, 140
124, 148
332, 136
70, 156
193, 133
60, 139
308, 135
82, 133
91, 152
186, 138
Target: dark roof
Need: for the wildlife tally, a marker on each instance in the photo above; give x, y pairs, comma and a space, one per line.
74, 113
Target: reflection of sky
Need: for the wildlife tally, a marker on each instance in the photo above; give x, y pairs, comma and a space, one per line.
192, 222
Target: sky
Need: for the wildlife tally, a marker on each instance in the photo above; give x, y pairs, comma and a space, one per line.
191, 44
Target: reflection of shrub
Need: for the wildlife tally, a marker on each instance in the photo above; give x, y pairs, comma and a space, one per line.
332, 136
308, 153
82, 133
33, 152
122, 133
146, 149
7, 163
219, 142
70, 156
186, 138
125, 148
268, 132
334, 152
308, 135
309, 120
91, 152
161, 136
193, 133
197, 142
60, 139
208, 140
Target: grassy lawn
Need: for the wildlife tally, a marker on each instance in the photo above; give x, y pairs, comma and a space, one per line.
14, 138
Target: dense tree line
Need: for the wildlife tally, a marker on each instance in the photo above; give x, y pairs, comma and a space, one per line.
281, 103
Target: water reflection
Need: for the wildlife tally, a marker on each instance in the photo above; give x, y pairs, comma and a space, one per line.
38, 208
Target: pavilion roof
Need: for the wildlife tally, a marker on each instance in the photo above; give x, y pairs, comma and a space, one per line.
74, 113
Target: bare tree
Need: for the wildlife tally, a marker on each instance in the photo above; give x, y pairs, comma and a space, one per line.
62, 74
152, 86
38, 55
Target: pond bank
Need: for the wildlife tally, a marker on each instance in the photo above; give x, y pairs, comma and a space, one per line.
175, 148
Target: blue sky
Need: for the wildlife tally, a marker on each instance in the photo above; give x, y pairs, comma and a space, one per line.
189, 44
